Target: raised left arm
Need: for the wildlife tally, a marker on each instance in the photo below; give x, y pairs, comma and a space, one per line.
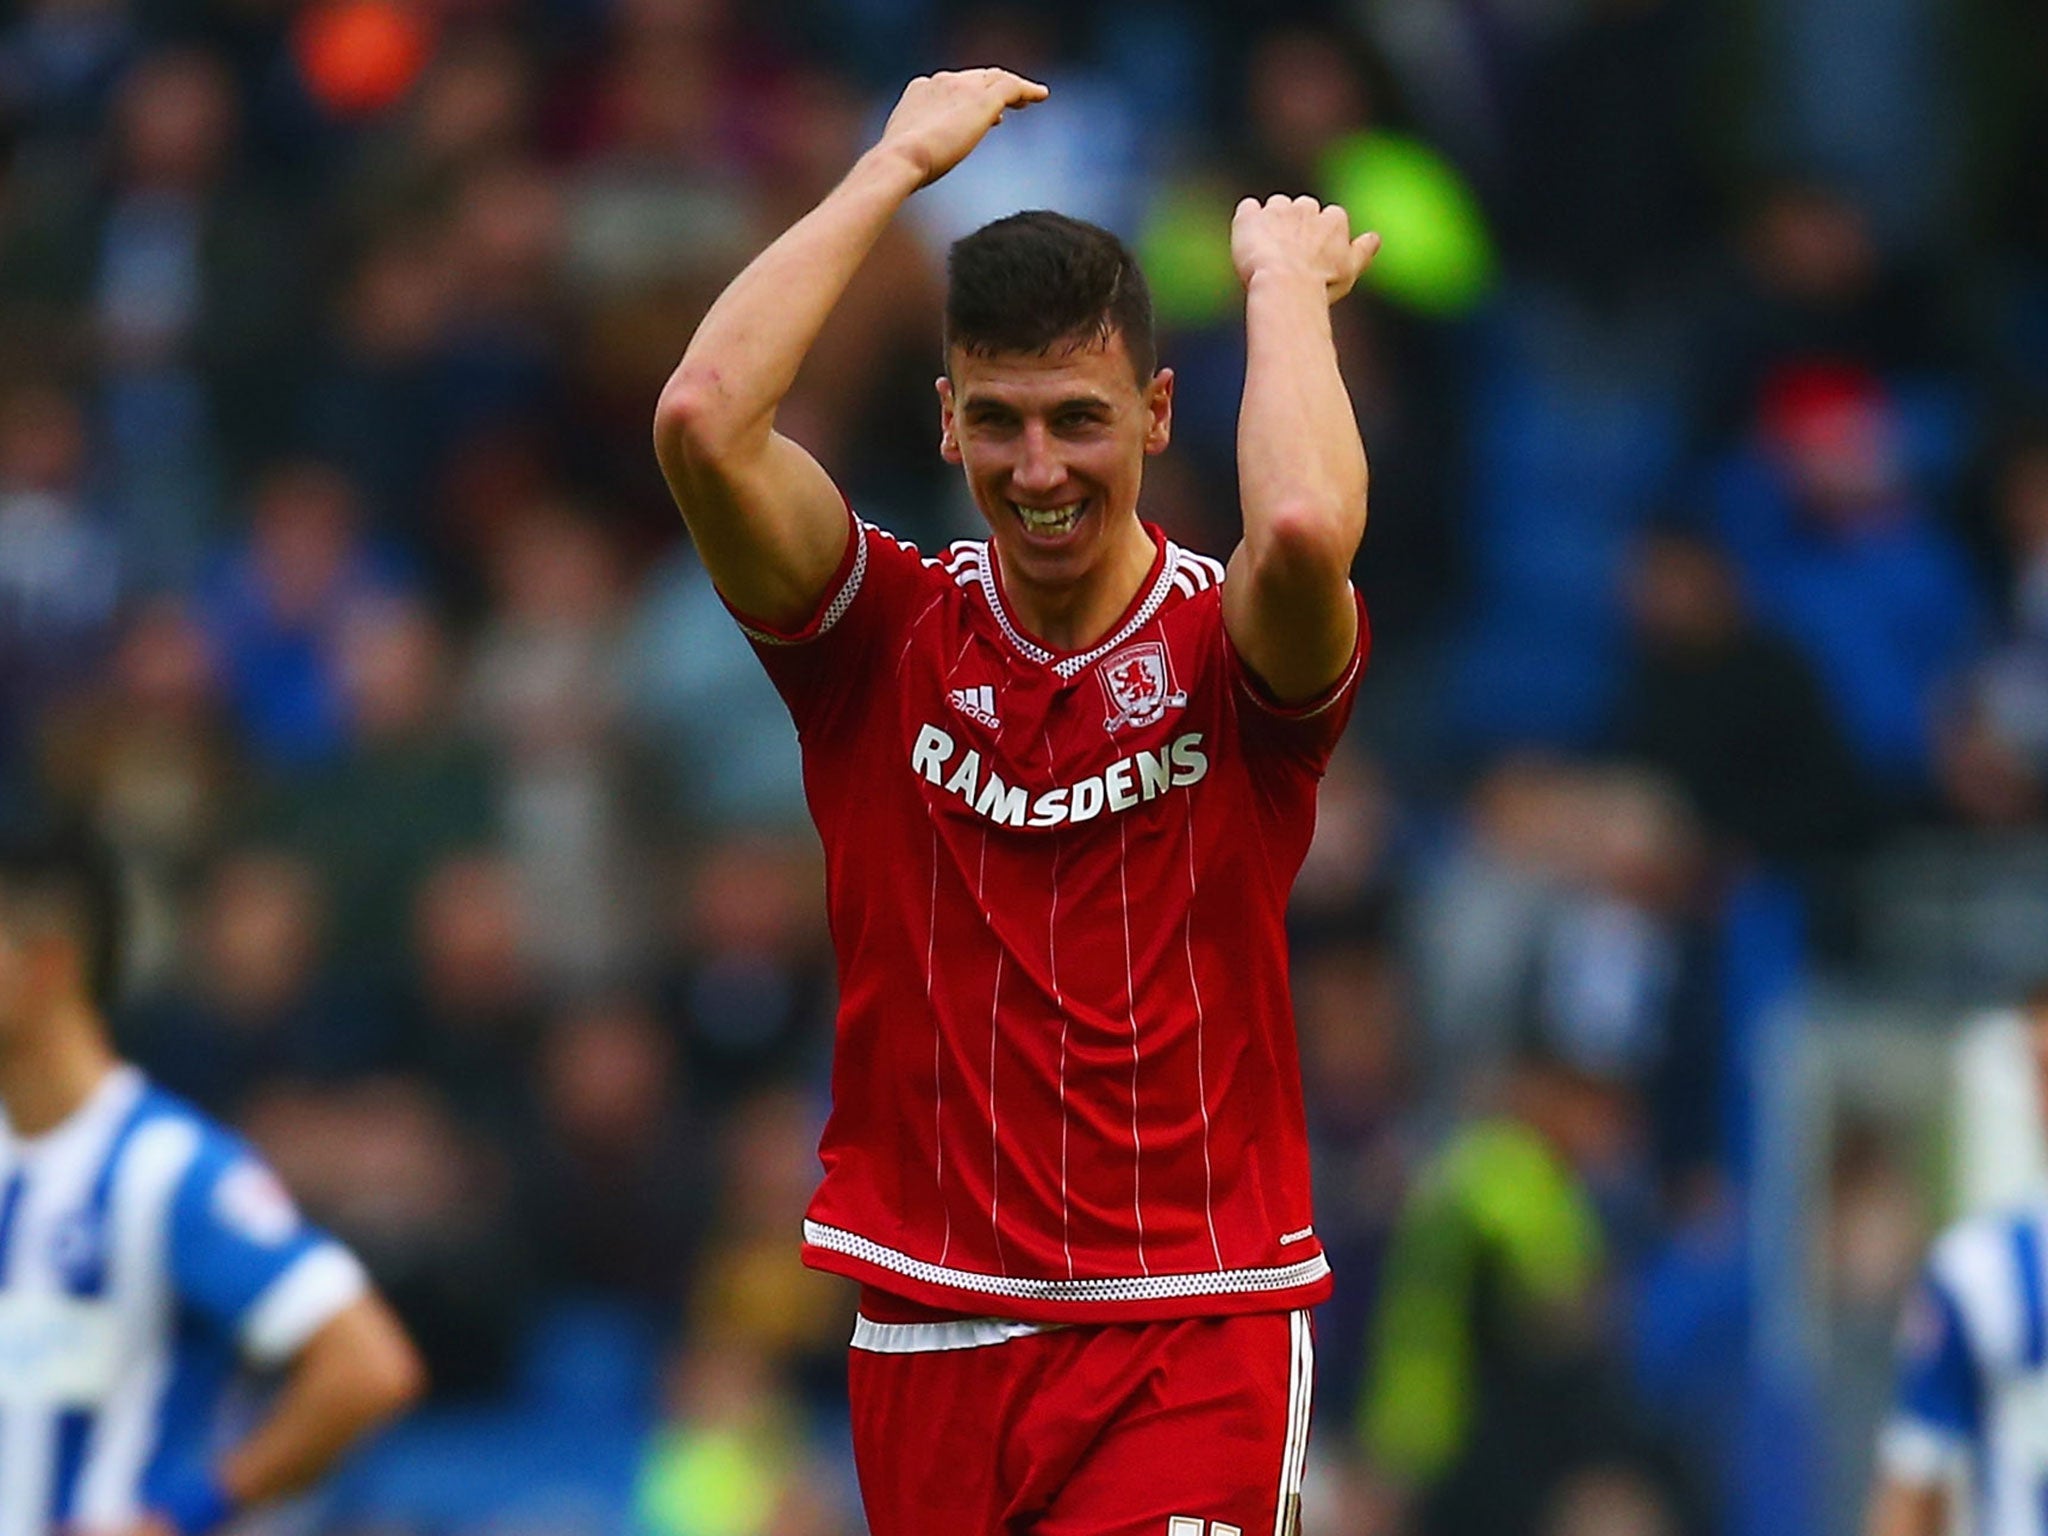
1301, 465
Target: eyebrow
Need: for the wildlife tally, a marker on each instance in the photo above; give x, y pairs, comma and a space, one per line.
977, 402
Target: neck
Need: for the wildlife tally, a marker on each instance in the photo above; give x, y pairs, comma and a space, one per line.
1073, 615
47, 1075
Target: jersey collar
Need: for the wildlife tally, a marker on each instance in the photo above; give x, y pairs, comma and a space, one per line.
1150, 597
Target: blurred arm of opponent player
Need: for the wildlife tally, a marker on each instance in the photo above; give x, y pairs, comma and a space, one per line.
1908, 1509
768, 522
1300, 460
355, 1373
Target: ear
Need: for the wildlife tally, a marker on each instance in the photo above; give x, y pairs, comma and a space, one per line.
949, 442
1159, 411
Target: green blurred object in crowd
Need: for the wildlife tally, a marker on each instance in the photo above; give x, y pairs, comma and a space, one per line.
1437, 256
718, 1482
1184, 248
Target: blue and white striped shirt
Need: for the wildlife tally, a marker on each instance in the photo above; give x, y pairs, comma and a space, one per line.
144, 1253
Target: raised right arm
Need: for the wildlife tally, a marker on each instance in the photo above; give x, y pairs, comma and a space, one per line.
766, 518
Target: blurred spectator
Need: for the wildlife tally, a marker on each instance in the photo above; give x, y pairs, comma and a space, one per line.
1572, 917
732, 1459
1351, 1012
1491, 1385
750, 1291
619, 1197
60, 567
752, 988
1079, 151
1349, 876
1731, 712
425, 1205
252, 1003
706, 710
377, 400
1844, 558
190, 284
1994, 747
1612, 217
1809, 280
469, 1012
1610, 1501
543, 690
408, 790
59, 60
279, 604
148, 757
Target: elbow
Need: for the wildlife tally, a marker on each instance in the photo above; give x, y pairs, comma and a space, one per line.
691, 423
398, 1380
1311, 537
385, 1373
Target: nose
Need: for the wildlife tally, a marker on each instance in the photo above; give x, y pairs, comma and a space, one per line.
1039, 467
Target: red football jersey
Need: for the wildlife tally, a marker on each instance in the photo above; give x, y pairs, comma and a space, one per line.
1065, 1085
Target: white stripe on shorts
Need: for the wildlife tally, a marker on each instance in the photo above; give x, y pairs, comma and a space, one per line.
1301, 1381
923, 1338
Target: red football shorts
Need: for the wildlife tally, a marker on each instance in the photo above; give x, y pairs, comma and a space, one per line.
1195, 1427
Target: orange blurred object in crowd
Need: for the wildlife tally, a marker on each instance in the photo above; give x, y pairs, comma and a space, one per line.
359, 57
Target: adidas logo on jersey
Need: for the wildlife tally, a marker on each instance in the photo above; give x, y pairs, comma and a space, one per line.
978, 704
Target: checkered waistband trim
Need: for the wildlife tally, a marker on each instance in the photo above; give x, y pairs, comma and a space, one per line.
1207, 1282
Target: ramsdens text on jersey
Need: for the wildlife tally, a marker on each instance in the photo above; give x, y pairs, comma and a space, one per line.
1127, 782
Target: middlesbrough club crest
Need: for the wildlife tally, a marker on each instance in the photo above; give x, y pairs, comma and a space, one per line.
1138, 682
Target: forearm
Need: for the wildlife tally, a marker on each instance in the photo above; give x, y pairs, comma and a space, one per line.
1908, 1509
356, 1373
1301, 462
745, 355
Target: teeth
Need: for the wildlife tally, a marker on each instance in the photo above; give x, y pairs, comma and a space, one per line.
1049, 519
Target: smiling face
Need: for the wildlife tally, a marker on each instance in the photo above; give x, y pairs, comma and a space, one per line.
1054, 445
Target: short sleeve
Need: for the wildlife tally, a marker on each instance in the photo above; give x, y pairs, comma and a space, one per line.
244, 1259
1938, 1414
1308, 730
873, 592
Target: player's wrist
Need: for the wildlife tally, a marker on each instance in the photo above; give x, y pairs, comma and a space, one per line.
197, 1504
1297, 277
892, 167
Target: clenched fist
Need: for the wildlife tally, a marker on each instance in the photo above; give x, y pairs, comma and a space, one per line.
939, 118
1299, 234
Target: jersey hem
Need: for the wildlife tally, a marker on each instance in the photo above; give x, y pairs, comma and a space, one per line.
1201, 1293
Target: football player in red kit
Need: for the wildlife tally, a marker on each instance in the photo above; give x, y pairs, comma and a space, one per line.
1065, 777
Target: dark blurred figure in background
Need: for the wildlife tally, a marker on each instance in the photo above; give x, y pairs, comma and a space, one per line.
1730, 711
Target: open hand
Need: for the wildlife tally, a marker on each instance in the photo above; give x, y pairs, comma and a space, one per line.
1299, 234
941, 117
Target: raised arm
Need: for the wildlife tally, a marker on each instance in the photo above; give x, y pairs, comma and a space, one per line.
1300, 461
767, 521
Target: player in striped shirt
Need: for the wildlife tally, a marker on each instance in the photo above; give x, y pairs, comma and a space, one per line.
1971, 1416
1065, 777
144, 1254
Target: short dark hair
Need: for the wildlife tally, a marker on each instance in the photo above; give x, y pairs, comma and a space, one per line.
69, 870
1037, 281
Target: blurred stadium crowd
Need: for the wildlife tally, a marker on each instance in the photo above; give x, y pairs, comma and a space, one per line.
1706, 382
